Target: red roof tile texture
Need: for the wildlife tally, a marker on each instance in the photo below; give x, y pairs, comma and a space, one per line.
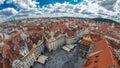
106, 28
1, 65
104, 59
11, 55
4, 50
59, 27
71, 33
6, 63
113, 36
95, 37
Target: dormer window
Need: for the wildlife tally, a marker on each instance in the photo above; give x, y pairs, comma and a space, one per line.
95, 61
96, 56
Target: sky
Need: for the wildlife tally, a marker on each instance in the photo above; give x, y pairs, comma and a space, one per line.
16, 9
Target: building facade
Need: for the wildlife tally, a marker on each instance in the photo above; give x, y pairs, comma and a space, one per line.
18, 64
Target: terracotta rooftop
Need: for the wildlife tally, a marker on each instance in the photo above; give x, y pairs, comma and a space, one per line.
95, 37
30, 25
71, 33
56, 28
114, 36
102, 44
4, 50
59, 27
105, 59
6, 63
34, 36
11, 55
1, 65
116, 29
7, 41
105, 28
33, 31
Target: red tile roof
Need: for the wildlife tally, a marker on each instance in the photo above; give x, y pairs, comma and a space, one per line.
95, 37
60, 27
116, 29
7, 41
1, 65
11, 55
6, 63
30, 25
71, 33
34, 35
107, 28
30, 32
4, 50
114, 36
57, 28
104, 59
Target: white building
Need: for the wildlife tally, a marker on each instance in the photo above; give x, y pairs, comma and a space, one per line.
55, 42
18, 64
72, 35
29, 60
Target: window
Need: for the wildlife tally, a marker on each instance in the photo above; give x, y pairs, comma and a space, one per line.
97, 56
95, 61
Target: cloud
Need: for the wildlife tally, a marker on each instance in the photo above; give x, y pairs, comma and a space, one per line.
87, 8
108, 4
8, 11
24, 4
117, 6
91, 9
1, 1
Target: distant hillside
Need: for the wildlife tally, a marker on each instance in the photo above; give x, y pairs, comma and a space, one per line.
95, 19
106, 20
